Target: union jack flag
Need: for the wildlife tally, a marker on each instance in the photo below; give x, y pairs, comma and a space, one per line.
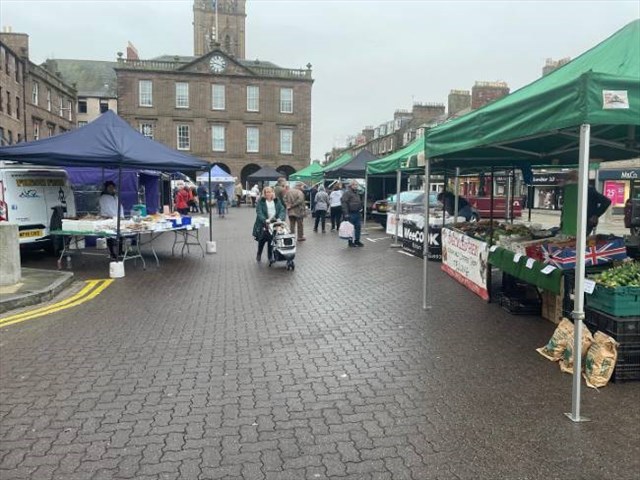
604, 251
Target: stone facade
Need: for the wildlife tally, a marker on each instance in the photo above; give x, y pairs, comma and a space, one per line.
458, 101
35, 103
96, 85
163, 117
228, 29
483, 93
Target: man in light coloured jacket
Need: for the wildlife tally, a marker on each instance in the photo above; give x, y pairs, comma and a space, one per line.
294, 201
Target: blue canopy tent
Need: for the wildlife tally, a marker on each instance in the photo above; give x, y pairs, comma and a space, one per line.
218, 175
107, 142
138, 186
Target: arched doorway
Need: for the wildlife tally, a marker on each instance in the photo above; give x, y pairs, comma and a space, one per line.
248, 170
223, 166
286, 170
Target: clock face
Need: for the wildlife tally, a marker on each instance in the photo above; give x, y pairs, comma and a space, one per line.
217, 64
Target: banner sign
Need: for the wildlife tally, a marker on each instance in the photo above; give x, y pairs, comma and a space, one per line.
412, 238
465, 259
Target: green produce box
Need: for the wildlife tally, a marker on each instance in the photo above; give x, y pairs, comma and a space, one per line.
618, 301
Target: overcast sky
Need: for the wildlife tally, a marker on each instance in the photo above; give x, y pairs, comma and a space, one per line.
369, 57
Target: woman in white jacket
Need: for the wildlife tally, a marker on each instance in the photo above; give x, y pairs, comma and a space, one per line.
335, 202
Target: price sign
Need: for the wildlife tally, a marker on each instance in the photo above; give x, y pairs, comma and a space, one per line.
589, 285
517, 257
530, 262
548, 269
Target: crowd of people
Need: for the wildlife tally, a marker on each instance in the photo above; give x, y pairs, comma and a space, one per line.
285, 201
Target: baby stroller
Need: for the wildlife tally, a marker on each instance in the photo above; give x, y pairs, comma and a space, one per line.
283, 245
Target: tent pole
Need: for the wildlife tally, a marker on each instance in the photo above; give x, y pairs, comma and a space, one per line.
578, 302
395, 243
118, 238
444, 191
366, 185
455, 192
210, 210
491, 200
513, 193
426, 293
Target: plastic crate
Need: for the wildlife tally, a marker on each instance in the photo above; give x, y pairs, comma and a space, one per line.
520, 306
627, 365
624, 329
626, 373
619, 301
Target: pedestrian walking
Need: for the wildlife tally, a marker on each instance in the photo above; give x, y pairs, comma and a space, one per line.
269, 210
181, 200
203, 197
294, 202
280, 188
335, 203
221, 200
321, 206
255, 193
238, 193
193, 202
351, 207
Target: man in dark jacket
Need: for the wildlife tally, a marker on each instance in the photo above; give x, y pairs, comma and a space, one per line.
351, 206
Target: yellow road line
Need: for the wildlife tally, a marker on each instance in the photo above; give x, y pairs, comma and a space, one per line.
87, 294
85, 290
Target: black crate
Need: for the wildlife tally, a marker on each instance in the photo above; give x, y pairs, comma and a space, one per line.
520, 306
628, 364
625, 330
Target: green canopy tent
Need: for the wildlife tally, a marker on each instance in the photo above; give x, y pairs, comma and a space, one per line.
405, 160
587, 109
310, 173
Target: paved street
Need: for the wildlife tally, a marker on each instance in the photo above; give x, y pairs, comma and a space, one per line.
222, 368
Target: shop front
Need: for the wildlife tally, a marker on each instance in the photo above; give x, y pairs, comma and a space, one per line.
546, 190
617, 186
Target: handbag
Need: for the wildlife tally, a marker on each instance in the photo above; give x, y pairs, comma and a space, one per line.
346, 230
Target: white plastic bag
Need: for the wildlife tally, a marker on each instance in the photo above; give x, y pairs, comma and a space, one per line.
346, 230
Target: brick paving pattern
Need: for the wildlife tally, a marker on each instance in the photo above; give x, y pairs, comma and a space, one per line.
222, 368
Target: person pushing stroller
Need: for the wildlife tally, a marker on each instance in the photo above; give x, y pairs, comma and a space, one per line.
268, 210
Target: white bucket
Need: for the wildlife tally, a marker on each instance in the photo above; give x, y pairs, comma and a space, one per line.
101, 243
116, 269
211, 247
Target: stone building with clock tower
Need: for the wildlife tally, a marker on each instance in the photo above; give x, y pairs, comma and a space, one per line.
240, 114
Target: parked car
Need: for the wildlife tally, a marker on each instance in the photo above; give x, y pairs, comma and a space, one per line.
410, 201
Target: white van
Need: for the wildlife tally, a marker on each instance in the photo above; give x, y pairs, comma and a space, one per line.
29, 195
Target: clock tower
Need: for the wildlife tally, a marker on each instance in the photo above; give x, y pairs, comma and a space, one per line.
220, 22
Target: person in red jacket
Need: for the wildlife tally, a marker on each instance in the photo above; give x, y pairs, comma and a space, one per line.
182, 200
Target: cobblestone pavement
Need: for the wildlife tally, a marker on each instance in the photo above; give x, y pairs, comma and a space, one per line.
223, 368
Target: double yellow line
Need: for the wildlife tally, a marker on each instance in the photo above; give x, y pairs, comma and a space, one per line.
89, 291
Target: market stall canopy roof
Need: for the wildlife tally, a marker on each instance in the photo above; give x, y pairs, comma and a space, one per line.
107, 142
354, 168
340, 161
265, 174
407, 158
311, 172
217, 175
540, 122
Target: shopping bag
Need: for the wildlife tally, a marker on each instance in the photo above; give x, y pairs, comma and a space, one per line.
346, 230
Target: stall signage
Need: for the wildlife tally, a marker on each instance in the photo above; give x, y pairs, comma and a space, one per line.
413, 239
465, 259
